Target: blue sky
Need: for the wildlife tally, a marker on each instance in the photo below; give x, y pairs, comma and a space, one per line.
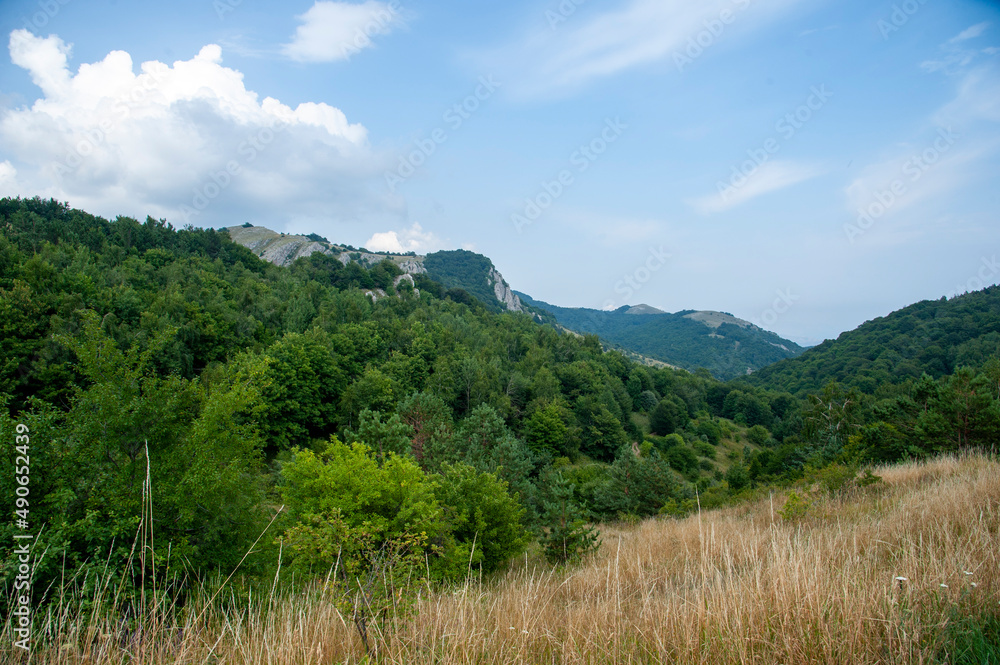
803, 165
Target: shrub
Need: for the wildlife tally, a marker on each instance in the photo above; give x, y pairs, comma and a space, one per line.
486, 521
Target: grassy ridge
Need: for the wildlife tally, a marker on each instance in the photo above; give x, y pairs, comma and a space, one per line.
739, 585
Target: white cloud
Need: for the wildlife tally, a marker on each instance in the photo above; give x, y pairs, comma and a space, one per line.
978, 99
955, 55
970, 32
413, 239
770, 176
933, 169
333, 31
185, 141
8, 179
572, 50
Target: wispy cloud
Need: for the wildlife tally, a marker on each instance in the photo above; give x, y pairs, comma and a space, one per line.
583, 49
769, 177
332, 31
970, 32
955, 53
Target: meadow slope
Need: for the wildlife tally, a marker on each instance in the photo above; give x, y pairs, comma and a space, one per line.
740, 585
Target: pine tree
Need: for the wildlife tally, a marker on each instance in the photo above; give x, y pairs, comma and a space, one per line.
567, 537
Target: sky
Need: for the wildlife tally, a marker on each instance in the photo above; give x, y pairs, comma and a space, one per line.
806, 165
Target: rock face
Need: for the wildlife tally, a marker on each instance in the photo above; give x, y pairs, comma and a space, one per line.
503, 292
412, 267
277, 248
284, 250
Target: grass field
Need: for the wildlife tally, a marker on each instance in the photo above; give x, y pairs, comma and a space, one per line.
903, 571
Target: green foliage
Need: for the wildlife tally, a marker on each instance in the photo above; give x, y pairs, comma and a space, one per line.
486, 521
758, 435
637, 486
384, 437
131, 439
546, 431
796, 507
303, 383
703, 449
670, 414
566, 537
737, 476
462, 269
935, 337
710, 431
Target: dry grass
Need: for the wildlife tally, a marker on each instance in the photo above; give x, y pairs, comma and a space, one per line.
739, 585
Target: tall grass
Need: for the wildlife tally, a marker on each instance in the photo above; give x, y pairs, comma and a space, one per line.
739, 585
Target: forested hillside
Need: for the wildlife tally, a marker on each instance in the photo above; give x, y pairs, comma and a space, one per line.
278, 420
727, 350
129, 344
474, 273
935, 337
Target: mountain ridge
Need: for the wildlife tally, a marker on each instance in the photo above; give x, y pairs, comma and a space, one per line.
726, 346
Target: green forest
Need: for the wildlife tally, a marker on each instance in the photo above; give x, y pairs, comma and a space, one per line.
726, 351
278, 422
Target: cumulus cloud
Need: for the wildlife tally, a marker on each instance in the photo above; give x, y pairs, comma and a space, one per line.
573, 50
185, 141
413, 239
333, 31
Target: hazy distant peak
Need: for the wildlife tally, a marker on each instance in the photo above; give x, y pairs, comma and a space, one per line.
716, 319
644, 309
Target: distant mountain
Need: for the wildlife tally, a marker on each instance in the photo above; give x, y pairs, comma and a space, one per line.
726, 346
474, 273
932, 336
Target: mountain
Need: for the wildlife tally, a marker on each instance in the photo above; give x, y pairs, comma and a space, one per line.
726, 346
284, 249
932, 336
475, 273
458, 269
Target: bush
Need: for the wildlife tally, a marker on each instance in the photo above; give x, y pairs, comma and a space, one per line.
758, 435
704, 449
341, 503
485, 520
